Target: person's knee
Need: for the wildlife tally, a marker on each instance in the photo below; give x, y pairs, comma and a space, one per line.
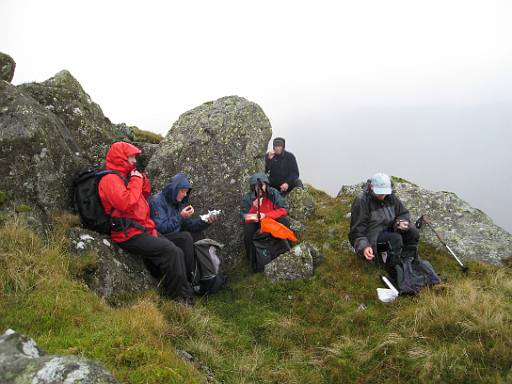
187, 237
413, 235
395, 242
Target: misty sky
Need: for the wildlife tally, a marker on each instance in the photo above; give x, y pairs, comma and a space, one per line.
418, 89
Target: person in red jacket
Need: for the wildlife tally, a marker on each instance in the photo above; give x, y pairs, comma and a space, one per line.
123, 195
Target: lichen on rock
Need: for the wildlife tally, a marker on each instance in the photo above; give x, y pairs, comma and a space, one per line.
219, 145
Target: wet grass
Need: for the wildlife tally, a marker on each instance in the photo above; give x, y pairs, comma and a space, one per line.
328, 329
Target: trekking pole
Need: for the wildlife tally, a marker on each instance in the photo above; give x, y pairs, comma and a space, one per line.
419, 224
258, 194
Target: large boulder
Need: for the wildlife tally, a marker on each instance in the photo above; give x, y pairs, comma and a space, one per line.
49, 131
7, 67
296, 264
38, 155
112, 273
219, 145
22, 362
468, 231
63, 96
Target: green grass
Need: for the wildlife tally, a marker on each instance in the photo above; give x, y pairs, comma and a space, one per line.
329, 329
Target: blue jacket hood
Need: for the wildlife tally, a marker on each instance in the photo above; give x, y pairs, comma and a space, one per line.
177, 182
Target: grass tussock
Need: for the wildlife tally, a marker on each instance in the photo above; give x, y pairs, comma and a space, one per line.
329, 329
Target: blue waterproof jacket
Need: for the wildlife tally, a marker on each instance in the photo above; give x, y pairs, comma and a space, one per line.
165, 209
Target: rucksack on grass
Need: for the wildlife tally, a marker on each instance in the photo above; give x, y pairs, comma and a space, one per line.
208, 276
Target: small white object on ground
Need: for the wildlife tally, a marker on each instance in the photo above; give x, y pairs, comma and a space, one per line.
387, 295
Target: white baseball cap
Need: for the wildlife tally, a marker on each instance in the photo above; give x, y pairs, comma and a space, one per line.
381, 184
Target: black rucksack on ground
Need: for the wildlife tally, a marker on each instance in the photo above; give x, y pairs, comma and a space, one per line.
208, 275
414, 273
87, 202
267, 248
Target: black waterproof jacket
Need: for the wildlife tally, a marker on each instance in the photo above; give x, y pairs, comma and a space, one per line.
281, 169
370, 216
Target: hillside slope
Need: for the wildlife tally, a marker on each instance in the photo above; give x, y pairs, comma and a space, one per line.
329, 329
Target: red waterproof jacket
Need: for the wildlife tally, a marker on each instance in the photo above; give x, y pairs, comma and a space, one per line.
128, 201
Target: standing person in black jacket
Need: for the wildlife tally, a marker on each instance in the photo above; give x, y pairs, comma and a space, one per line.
380, 225
282, 168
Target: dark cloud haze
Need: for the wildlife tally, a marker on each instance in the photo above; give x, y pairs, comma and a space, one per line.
421, 90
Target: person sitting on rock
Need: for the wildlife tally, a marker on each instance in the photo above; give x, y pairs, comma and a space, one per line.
172, 214
380, 227
123, 195
262, 201
282, 168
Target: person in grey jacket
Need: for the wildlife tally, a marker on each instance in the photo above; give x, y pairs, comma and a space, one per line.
380, 224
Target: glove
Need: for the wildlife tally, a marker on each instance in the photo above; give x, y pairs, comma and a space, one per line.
136, 174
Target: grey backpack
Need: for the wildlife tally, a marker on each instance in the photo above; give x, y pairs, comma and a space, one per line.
208, 276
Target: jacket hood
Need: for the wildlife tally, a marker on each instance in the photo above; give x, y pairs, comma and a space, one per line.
279, 140
253, 180
177, 182
117, 157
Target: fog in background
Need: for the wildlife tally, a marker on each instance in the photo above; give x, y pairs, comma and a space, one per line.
420, 90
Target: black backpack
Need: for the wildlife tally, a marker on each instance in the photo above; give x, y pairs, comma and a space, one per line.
414, 273
266, 249
208, 276
87, 202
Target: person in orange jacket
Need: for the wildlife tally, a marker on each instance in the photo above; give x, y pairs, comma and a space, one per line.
262, 200
123, 195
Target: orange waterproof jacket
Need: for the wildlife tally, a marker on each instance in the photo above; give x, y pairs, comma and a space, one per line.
125, 200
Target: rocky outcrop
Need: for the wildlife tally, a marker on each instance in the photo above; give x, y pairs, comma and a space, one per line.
63, 96
38, 155
107, 270
49, 131
7, 67
296, 264
22, 362
469, 232
218, 145
301, 206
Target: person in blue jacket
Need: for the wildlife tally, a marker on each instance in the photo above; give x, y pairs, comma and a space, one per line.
172, 213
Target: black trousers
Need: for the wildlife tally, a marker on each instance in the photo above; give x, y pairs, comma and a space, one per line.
250, 229
164, 260
184, 241
397, 244
297, 183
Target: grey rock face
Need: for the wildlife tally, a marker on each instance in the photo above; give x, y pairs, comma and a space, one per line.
22, 362
113, 274
469, 232
49, 131
219, 145
296, 264
38, 156
7, 67
63, 96
301, 205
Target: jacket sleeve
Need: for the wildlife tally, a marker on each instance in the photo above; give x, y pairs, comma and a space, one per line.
267, 164
166, 220
194, 225
120, 196
245, 205
359, 218
278, 199
281, 206
293, 169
